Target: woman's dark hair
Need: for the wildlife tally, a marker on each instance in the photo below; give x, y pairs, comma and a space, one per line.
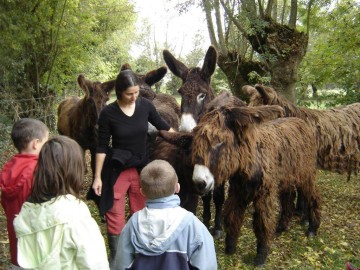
124, 80
60, 170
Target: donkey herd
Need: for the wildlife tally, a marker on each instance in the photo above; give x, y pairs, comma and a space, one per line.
268, 150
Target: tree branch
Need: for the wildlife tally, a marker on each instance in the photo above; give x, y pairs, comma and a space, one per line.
308, 16
233, 19
219, 28
210, 25
55, 45
293, 14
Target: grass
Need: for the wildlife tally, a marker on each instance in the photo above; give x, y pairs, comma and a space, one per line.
337, 242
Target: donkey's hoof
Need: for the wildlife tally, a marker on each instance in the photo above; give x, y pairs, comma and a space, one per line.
229, 250
217, 234
310, 234
280, 230
259, 261
304, 222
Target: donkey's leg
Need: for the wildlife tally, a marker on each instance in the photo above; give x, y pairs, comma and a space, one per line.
287, 209
219, 198
302, 207
189, 200
313, 207
92, 161
207, 209
264, 222
234, 209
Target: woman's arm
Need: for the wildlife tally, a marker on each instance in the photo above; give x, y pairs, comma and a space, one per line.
156, 120
102, 147
97, 185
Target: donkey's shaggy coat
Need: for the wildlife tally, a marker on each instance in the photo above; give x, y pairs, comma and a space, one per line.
176, 149
337, 130
77, 117
262, 163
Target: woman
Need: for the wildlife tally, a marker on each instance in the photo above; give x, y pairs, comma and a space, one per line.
125, 122
54, 228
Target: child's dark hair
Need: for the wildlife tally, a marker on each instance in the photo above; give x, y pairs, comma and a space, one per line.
158, 179
27, 129
60, 170
124, 80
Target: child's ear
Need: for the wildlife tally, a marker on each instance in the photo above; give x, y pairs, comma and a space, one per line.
177, 188
141, 192
34, 144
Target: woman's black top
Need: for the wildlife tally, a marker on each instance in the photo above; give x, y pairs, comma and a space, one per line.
128, 132
128, 135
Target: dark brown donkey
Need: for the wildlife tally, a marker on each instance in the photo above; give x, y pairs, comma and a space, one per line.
196, 93
195, 90
77, 117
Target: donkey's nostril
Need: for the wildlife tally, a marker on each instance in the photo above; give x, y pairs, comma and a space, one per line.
201, 185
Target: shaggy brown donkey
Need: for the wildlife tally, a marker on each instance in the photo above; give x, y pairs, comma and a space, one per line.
196, 93
263, 162
195, 90
77, 117
337, 130
178, 153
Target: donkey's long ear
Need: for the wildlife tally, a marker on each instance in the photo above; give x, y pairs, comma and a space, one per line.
180, 139
249, 90
176, 67
264, 92
245, 116
82, 83
155, 75
108, 86
209, 64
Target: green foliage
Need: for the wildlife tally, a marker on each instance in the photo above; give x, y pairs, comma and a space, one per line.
254, 77
219, 81
334, 50
46, 44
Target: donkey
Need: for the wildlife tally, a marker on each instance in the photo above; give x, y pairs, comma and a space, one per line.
195, 90
77, 117
264, 158
337, 130
195, 93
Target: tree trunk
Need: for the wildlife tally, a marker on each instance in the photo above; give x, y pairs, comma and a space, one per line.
286, 48
237, 70
210, 25
281, 48
293, 14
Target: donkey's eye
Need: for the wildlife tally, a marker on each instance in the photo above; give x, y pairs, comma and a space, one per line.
201, 97
217, 146
198, 160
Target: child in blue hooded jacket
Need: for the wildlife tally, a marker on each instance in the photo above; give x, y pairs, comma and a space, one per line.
163, 235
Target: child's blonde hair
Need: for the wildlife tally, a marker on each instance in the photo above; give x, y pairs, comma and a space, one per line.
158, 179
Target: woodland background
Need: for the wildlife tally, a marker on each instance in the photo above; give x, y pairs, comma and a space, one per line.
307, 50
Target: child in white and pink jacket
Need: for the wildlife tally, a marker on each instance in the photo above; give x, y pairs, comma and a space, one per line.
54, 228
